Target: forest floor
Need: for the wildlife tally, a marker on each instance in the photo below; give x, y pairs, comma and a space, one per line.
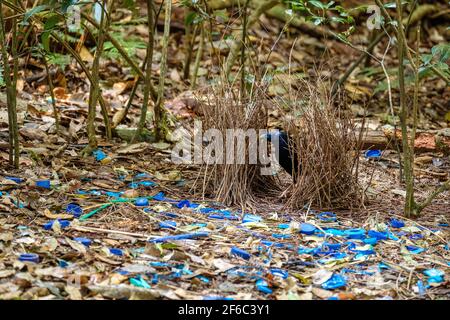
123, 223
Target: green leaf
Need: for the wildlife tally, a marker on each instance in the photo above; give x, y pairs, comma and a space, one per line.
317, 4
34, 11
190, 17
50, 23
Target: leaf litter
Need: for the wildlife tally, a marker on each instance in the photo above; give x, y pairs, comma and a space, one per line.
114, 232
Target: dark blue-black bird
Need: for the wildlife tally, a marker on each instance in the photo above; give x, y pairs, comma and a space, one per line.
287, 156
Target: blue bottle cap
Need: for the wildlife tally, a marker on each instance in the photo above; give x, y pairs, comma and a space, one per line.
62, 223
74, 209
332, 246
397, 223
355, 233
307, 228
99, 155
141, 202
373, 154
116, 251
29, 257
85, 241
183, 203
241, 253
45, 184
377, 235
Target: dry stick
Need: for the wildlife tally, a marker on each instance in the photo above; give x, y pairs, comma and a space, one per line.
160, 114
76, 56
123, 53
138, 78
148, 71
94, 89
11, 93
198, 57
191, 34
235, 48
88, 74
52, 94
14, 97
408, 157
414, 17
243, 57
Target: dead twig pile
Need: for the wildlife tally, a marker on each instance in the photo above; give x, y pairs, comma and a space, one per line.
231, 127
325, 141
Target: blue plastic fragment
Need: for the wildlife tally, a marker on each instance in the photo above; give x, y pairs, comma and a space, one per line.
45, 184
159, 264
414, 249
113, 194
29, 257
383, 266
216, 216
251, 218
421, 287
355, 233
203, 278
159, 196
185, 236
62, 223
207, 210
216, 298
139, 282
312, 251
74, 209
262, 286
147, 183
327, 216
307, 228
63, 263
336, 281
283, 226
371, 241
279, 272
334, 232
15, 179
141, 202
378, 235
416, 236
241, 253
331, 246
116, 251
142, 175
183, 203
281, 236
170, 215
397, 223
168, 224
85, 241
373, 154
434, 273
99, 155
